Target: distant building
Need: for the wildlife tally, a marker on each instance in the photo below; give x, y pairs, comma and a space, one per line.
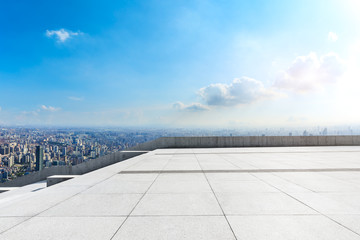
39, 158
2, 151
3, 175
324, 132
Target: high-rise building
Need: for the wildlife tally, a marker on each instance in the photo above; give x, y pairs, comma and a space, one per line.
2, 150
39, 158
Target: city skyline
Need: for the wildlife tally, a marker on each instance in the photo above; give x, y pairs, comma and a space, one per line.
179, 64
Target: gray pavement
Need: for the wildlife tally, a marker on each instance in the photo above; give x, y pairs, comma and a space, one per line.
216, 193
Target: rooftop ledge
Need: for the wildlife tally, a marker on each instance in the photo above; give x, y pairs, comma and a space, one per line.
186, 142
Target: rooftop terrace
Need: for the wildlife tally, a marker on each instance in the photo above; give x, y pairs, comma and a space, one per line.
198, 193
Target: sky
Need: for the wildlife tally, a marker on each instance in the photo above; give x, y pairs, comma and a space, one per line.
179, 63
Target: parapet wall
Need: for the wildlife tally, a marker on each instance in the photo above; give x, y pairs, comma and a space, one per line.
248, 141
185, 142
79, 169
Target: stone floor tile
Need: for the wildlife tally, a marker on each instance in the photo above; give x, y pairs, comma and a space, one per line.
175, 228
178, 204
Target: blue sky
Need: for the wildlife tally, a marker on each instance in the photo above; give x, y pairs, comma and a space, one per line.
179, 63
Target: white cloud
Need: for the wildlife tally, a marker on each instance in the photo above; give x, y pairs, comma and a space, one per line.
332, 37
61, 35
49, 108
194, 107
311, 72
76, 98
243, 90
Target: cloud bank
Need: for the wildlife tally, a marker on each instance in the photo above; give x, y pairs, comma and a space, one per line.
243, 90
61, 35
305, 73
310, 72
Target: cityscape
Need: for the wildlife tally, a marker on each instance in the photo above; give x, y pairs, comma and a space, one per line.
24, 149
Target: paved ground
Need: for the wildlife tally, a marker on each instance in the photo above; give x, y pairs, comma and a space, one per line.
228, 193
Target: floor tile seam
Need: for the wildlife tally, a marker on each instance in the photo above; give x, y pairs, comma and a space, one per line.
58, 203
128, 215
231, 163
315, 191
217, 200
139, 161
291, 182
339, 223
331, 219
1, 233
223, 157
18, 193
239, 166
200, 166
112, 175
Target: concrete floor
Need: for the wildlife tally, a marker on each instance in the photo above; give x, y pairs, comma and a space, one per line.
217, 193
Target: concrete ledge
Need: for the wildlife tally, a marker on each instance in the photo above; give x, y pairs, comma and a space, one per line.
55, 179
248, 141
79, 169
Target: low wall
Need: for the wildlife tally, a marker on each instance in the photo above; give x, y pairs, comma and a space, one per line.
185, 142
79, 169
248, 141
